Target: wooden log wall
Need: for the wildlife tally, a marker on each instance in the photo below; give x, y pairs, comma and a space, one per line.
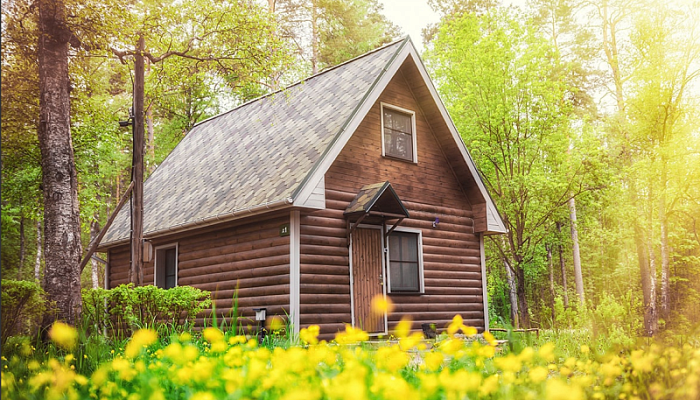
248, 257
429, 189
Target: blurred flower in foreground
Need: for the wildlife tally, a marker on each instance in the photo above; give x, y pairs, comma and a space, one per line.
64, 335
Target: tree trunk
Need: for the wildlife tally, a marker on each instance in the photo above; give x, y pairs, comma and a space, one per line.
136, 270
94, 231
512, 295
522, 300
22, 250
665, 307
37, 260
314, 38
651, 317
151, 141
61, 208
578, 275
551, 280
562, 264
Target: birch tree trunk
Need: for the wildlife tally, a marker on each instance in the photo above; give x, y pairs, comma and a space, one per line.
665, 307
59, 176
512, 295
551, 280
562, 264
39, 244
314, 38
94, 231
578, 274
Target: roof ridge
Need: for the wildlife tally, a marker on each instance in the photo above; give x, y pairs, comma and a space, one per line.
301, 81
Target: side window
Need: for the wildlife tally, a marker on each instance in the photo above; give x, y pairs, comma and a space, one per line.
398, 133
166, 267
405, 262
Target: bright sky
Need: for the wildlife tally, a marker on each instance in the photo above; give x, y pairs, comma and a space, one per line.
414, 15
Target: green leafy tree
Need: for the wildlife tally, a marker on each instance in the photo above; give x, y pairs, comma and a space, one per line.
500, 81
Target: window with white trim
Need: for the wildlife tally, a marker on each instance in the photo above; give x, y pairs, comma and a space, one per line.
405, 262
398, 133
165, 273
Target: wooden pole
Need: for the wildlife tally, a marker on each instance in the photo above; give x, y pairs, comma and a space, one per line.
136, 271
96, 242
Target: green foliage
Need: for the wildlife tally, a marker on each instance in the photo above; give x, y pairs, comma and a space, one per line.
23, 306
127, 308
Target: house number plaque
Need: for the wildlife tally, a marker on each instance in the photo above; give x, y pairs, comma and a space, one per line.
284, 230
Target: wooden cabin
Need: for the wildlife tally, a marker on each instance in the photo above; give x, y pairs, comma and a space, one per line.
312, 200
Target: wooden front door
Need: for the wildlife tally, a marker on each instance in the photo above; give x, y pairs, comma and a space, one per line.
367, 278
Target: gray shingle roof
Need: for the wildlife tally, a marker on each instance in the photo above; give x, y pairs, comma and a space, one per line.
255, 154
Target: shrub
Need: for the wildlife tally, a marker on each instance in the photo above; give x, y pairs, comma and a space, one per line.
126, 308
23, 306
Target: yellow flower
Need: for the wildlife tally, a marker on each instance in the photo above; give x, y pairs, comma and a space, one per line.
510, 363
140, 339
546, 352
455, 325
432, 361
63, 335
381, 304
559, 390
310, 335
410, 342
276, 324
212, 334
203, 396
469, 330
585, 349
538, 374
489, 338
489, 386
351, 335
403, 328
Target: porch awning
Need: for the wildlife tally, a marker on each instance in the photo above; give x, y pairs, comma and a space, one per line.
377, 201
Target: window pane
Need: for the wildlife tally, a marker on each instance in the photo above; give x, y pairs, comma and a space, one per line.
398, 134
170, 270
403, 262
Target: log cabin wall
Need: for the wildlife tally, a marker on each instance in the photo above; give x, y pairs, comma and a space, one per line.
429, 189
248, 254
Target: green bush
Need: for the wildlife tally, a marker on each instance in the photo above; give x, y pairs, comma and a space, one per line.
126, 308
23, 306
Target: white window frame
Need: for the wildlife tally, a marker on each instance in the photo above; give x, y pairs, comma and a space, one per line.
155, 261
421, 277
413, 127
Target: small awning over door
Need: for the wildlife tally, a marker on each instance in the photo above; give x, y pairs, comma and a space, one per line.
375, 204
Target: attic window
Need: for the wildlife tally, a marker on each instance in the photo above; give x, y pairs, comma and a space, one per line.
398, 133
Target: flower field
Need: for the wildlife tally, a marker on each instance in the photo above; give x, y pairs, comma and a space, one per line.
458, 365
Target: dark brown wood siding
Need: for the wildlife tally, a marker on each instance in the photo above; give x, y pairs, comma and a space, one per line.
248, 256
429, 189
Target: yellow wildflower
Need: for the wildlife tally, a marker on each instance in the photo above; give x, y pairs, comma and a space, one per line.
310, 335
203, 396
585, 349
538, 374
456, 324
276, 324
432, 361
351, 335
410, 342
381, 305
212, 334
546, 352
510, 363
490, 385
559, 390
63, 335
490, 339
403, 328
140, 339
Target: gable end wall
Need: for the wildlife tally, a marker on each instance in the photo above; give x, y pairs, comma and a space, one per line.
429, 189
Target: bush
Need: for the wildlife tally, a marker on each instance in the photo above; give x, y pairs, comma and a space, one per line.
126, 308
23, 306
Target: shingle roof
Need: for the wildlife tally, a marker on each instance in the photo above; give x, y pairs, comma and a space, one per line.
256, 154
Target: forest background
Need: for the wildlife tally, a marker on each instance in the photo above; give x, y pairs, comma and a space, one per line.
581, 116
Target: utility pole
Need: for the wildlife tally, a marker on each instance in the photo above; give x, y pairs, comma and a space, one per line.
136, 271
